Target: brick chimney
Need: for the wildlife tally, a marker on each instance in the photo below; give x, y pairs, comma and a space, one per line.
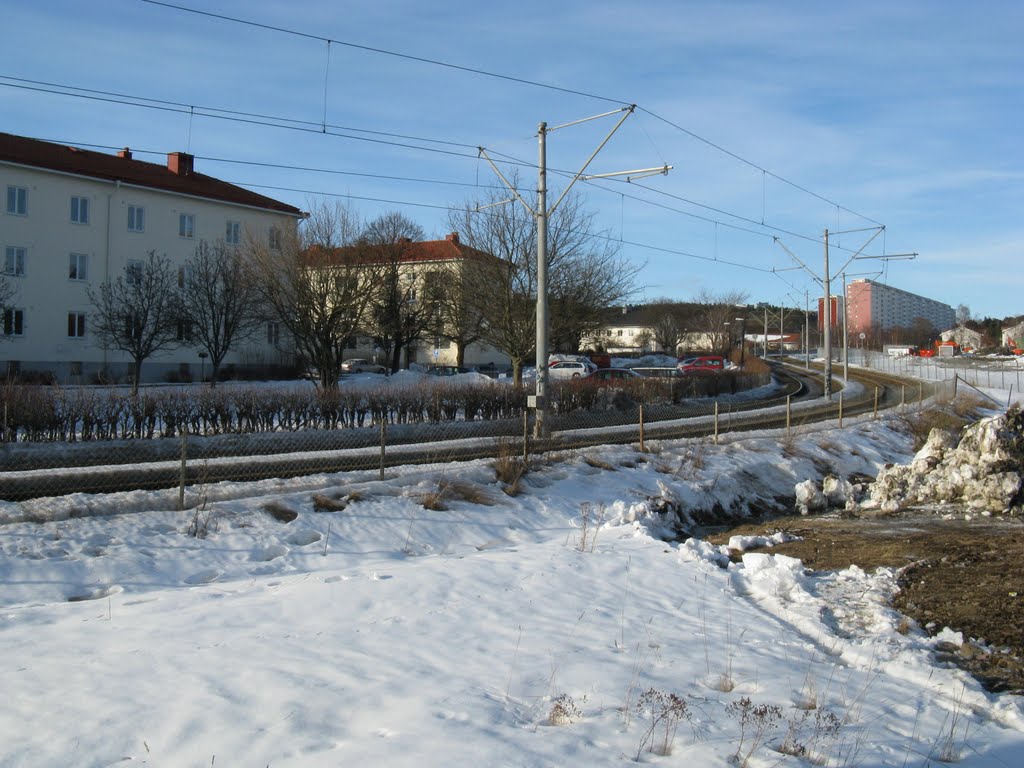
180, 163
453, 238
125, 153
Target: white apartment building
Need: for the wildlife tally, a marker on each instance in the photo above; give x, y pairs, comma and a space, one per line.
74, 218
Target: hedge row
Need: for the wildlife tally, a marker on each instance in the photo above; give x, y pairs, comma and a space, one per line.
52, 414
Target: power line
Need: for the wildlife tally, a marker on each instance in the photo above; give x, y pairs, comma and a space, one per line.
509, 78
386, 52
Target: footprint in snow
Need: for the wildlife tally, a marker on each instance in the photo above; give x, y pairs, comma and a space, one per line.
304, 538
203, 577
96, 594
272, 552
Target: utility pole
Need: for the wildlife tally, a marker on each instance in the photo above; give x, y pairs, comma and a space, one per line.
541, 392
826, 284
539, 401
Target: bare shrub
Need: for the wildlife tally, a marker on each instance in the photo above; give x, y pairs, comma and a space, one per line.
454, 490
510, 467
811, 737
563, 711
597, 463
665, 710
755, 721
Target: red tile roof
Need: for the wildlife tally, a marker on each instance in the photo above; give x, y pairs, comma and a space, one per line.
98, 165
449, 249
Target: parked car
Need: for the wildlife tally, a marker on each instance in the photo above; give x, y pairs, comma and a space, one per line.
359, 365
570, 369
612, 375
447, 370
704, 364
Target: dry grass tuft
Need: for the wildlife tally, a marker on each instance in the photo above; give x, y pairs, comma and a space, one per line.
323, 503
597, 463
510, 467
454, 490
280, 512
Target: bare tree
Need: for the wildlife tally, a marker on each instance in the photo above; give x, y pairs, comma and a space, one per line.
963, 315
316, 286
138, 313
7, 294
585, 275
399, 316
457, 315
717, 313
218, 301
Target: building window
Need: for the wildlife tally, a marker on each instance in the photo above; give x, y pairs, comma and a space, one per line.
184, 331
17, 201
14, 322
274, 238
136, 218
273, 332
78, 266
14, 260
76, 325
184, 275
233, 235
132, 327
80, 210
133, 272
186, 225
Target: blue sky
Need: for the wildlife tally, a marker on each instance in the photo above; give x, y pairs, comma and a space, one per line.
781, 119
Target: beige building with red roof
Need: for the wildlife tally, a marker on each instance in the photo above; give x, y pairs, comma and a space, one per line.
73, 218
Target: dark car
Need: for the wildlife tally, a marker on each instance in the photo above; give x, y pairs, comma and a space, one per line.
447, 370
609, 375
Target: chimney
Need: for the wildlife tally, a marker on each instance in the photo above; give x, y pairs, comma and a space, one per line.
453, 238
180, 163
125, 153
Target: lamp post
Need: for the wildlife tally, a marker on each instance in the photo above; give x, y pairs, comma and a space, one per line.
743, 340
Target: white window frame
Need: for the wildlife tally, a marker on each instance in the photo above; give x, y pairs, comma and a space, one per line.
78, 266
136, 218
187, 225
15, 258
79, 210
233, 233
273, 332
17, 200
274, 238
76, 325
13, 318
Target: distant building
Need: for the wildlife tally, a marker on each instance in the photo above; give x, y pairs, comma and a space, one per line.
963, 336
1014, 336
873, 306
73, 219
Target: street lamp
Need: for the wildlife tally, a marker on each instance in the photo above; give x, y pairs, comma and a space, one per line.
743, 340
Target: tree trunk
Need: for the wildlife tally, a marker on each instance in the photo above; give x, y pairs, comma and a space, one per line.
136, 376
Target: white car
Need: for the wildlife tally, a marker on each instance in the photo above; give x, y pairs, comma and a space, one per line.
358, 365
570, 369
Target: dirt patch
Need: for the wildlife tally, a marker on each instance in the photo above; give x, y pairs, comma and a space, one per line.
958, 573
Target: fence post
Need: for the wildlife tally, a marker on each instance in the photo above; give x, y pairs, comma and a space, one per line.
716, 422
642, 428
383, 442
526, 434
184, 468
903, 398
789, 399
874, 413
956, 379
840, 409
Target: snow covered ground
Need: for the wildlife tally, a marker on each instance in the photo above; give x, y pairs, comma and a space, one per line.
553, 627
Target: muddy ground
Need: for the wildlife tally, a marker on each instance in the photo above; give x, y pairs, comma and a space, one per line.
964, 574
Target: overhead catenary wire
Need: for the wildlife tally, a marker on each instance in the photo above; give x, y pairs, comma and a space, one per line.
511, 78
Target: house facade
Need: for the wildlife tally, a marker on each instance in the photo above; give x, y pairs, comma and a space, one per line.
964, 337
1014, 336
74, 218
425, 270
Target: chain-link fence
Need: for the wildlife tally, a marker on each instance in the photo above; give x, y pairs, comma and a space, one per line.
992, 372
57, 441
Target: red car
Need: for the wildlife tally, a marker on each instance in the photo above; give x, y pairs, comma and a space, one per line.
701, 365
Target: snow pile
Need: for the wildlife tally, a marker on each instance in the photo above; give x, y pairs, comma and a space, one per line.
833, 492
983, 471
